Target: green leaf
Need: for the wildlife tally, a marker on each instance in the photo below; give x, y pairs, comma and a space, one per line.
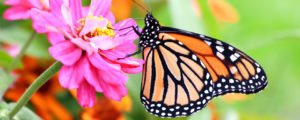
3, 111
6, 60
5, 82
24, 113
183, 16
203, 114
16, 34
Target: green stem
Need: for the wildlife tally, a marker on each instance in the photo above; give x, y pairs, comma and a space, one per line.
21, 53
42, 79
209, 19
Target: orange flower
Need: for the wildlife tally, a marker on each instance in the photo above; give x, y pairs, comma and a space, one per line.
121, 8
221, 9
44, 100
234, 97
212, 108
107, 109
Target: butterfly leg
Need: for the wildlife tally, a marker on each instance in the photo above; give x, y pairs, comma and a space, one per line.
136, 30
135, 53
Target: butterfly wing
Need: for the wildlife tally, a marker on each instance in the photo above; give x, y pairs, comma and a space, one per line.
175, 82
232, 70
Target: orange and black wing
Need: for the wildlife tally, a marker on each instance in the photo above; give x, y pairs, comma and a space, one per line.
232, 71
175, 81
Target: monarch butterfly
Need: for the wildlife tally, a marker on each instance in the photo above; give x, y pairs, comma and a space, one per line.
183, 70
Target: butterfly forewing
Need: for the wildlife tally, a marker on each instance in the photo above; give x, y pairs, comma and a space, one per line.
175, 83
232, 71
185, 70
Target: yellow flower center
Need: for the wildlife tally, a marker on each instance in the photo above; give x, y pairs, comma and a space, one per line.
107, 30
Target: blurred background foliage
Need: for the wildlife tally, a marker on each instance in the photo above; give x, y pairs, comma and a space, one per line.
267, 30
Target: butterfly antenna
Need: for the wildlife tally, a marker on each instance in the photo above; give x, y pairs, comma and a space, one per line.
148, 6
141, 6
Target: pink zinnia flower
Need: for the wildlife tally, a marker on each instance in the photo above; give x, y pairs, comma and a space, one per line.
84, 41
20, 8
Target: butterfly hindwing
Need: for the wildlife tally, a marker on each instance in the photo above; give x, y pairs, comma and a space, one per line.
185, 70
232, 71
175, 82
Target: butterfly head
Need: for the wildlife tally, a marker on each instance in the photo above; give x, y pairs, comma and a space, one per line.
149, 35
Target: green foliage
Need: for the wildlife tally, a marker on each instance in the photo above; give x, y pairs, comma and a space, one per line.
5, 82
16, 34
6, 60
23, 114
183, 16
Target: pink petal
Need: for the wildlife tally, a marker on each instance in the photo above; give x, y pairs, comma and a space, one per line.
66, 13
110, 17
90, 74
56, 10
126, 36
99, 62
86, 94
55, 6
125, 23
103, 42
35, 3
71, 76
85, 10
12, 2
114, 77
76, 10
84, 45
65, 52
16, 13
120, 50
91, 24
133, 70
131, 62
131, 65
115, 92
99, 7
41, 20
55, 38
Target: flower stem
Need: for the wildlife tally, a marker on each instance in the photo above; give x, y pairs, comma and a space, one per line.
42, 79
21, 53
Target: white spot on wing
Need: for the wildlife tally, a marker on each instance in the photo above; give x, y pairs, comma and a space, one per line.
233, 58
194, 57
220, 48
207, 42
219, 42
258, 70
220, 56
219, 85
237, 55
180, 43
230, 48
231, 81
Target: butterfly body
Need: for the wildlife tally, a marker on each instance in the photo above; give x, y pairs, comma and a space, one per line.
185, 70
149, 36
